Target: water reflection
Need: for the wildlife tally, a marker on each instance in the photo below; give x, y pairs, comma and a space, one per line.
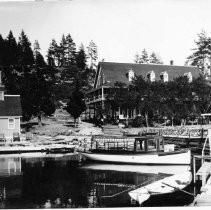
10, 179
63, 183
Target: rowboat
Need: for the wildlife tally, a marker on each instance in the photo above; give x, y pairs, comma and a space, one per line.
164, 186
147, 150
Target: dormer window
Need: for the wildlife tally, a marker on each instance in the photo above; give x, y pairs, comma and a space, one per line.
189, 76
164, 76
131, 75
151, 76
1, 95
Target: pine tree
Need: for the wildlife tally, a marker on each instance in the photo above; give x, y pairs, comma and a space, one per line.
76, 104
2, 49
137, 58
154, 58
11, 50
52, 55
201, 56
70, 51
92, 54
11, 65
42, 93
144, 57
25, 68
81, 58
62, 51
26, 57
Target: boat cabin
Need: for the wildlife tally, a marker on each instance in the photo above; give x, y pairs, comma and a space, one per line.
148, 143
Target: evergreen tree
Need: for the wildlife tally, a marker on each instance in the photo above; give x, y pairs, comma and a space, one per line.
137, 58
2, 50
11, 65
62, 51
76, 104
201, 56
144, 57
53, 54
42, 94
92, 54
11, 57
26, 57
70, 51
155, 59
81, 58
25, 68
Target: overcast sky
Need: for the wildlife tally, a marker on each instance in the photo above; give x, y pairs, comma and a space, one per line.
120, 28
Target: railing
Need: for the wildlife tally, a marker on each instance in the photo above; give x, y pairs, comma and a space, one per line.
96, 98
177, 132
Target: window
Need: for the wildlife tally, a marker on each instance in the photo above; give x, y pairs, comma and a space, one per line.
189, 76
164, 76
11, 123
130, 75
152, 145
1, 96
151, 76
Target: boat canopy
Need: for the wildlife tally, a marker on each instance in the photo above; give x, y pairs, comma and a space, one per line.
136, 144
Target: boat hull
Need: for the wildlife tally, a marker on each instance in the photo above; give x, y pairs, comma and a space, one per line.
183, 158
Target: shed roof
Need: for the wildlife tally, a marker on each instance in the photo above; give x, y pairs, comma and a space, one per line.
11, 106
117, 71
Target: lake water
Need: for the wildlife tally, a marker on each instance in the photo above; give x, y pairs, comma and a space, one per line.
60, 182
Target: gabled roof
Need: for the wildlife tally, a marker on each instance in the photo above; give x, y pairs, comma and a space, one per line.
117, 71
11, 106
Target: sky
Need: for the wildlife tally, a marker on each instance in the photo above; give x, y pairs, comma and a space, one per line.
120, 28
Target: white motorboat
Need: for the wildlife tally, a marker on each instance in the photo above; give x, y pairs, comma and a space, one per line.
149, 150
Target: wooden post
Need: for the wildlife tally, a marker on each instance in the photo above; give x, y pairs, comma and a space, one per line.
135, 145
158, 144
194, 170
146, 145
208, 140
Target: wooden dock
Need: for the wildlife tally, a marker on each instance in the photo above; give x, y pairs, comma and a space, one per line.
204, 172
204, 199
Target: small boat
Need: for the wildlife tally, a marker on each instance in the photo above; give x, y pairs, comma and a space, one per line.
164, 186
18, 148
23, 147
148, 150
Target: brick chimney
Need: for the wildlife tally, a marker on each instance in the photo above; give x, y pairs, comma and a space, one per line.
171, 62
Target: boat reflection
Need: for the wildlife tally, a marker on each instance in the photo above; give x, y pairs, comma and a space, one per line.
166, 169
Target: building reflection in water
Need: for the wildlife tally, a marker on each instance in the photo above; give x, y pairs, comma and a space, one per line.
10, 179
